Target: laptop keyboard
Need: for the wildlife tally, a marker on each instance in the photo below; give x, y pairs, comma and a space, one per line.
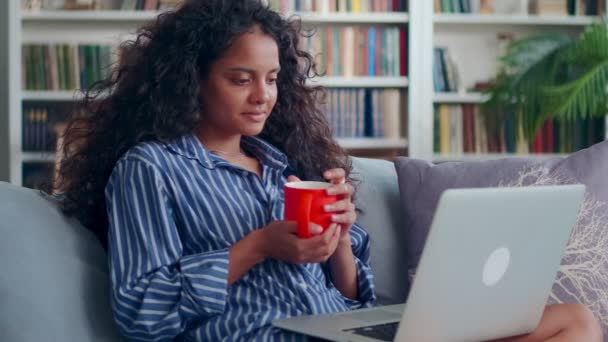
383, 332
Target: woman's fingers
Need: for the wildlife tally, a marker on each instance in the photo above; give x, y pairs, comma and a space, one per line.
342, 205
335, 176
322, 246
347, 218
345, 190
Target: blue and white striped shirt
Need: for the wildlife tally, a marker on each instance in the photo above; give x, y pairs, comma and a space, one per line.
175, 209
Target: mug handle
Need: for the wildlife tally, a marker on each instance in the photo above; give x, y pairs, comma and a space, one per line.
304, 215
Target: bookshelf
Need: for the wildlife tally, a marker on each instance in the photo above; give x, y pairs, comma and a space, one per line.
110, 27
471, 40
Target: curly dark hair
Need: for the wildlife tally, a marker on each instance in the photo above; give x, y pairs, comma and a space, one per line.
153, 94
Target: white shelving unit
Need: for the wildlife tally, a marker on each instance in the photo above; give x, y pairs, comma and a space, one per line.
141, 16
520, 20
329, 82
94, 16
362, 82
10, 87
472, 42
112, 27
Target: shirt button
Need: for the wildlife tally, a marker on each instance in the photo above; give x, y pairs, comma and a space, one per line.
303, 286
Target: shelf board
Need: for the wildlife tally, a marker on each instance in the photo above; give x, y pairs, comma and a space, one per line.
371, 143
51, 95
355, 18
38, 157
459, 97
117, 15
361, 82
506, 19
491, 156
330, 82
82, 15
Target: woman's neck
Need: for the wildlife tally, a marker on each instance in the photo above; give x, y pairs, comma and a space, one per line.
228, 146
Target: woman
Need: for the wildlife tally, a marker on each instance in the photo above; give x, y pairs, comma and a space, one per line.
204, 120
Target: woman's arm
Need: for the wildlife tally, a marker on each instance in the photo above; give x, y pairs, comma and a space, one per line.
156, 290
349, 266
344, 270
244, 255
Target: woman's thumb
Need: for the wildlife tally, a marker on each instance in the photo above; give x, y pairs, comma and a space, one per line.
293, 178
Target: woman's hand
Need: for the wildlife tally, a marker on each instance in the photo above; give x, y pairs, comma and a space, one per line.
279, 240
343, 209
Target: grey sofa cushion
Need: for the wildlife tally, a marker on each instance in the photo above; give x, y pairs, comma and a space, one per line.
582, 277
378, 199
54, 282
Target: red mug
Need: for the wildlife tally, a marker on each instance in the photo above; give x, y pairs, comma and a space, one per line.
304, 202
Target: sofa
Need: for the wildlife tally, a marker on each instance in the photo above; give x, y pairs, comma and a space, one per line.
54, 283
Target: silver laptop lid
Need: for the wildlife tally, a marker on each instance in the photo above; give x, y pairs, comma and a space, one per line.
489, 262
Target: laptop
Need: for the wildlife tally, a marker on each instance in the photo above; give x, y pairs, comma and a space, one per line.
486, 270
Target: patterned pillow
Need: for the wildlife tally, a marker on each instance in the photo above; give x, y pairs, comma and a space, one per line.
583, 276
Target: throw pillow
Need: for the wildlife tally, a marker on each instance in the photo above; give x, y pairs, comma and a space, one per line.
583, 276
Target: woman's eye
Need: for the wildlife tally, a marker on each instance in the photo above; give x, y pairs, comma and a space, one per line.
240, 81
272, 81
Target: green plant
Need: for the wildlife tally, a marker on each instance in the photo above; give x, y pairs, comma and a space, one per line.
551, 75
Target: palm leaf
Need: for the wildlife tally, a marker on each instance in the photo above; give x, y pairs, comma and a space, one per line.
552, 75
585, 96
591, 46
523, 74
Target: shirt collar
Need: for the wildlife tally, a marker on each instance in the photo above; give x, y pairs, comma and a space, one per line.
191, 147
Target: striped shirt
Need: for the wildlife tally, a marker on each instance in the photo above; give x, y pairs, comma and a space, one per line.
175, 209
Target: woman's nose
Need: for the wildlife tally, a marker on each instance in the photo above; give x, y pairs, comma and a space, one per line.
260, 94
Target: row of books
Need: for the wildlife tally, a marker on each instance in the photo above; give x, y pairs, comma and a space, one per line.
521, 7
462, 6
568, 7
351, 112
350, 6
463, 129
42, 125
359, 50
285, 6
364, 112
64, 66
127, 5
445, 72
148, 5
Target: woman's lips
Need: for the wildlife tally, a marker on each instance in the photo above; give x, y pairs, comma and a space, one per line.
256, 116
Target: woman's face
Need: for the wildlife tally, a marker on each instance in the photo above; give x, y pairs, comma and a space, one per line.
240, 90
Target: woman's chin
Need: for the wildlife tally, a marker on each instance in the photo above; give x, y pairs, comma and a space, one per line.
252, 130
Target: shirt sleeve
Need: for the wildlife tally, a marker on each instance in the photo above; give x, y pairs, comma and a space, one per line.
359, 240
156, 291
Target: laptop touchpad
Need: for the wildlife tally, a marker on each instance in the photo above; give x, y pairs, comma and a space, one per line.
375, 316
